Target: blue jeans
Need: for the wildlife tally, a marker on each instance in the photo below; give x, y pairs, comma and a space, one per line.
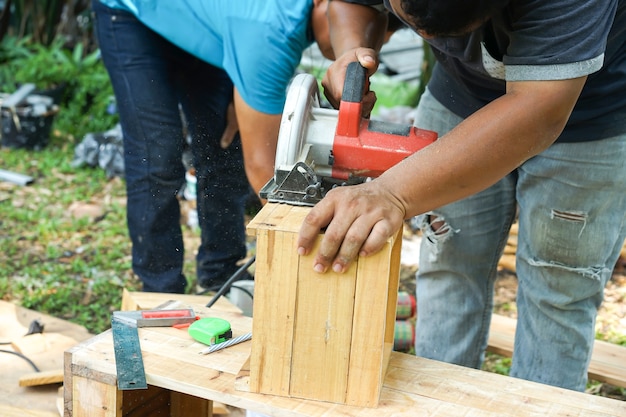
151, 77
571, 203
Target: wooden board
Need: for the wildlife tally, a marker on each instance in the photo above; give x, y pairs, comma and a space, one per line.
54, 376
413, 386
132, 301
608, 361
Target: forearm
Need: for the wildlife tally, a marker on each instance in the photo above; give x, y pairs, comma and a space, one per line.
485, 147
357, 33
354, 25
259, 135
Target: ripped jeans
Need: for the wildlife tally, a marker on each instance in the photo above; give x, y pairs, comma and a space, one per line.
571, 203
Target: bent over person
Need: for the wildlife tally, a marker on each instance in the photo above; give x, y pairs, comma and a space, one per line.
201, 56
529, 100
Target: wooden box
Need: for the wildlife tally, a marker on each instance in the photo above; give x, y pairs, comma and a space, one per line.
318, 336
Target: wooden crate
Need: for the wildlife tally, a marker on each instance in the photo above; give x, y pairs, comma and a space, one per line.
319, 336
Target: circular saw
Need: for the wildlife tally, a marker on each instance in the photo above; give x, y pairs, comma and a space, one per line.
319, 148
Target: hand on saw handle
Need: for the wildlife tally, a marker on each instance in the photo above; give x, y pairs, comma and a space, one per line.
335, 78
232, 127
357, 32
358, 219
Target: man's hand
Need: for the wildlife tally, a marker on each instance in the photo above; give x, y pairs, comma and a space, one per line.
358, 220
232, 127
336, 75
357, 33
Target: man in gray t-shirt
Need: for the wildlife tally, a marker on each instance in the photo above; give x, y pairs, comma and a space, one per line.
529, 100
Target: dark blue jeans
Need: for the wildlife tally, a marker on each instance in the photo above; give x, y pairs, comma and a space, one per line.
151, 77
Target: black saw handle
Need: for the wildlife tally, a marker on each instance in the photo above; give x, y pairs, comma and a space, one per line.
354, 85
349, 118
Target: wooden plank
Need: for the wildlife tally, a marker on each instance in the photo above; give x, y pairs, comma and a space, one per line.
219, 408
492, 393
373, 323
501, 335
323, 331
94, 399
41, 378
608, 361
275, 300
147, 300
37, 343
392, 296
278, 217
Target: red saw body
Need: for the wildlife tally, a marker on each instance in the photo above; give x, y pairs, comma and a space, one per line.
319, 149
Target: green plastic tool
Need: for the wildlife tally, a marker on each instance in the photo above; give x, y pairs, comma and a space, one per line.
210, 330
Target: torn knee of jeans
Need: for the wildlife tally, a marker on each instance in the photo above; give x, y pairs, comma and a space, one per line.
435, 228
596, 273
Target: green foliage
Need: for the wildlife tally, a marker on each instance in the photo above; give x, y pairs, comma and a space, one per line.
89, 98
497, 364
45, 66
44, 20
82, 82
52, 261
612, 337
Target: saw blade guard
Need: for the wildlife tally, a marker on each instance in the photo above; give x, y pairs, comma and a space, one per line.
302, 97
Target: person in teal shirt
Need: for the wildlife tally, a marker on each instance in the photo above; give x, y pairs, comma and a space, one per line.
214, 61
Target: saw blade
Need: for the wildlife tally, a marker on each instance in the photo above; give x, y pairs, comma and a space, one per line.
128, 358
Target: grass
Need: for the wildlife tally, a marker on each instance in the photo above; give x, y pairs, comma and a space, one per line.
55, 260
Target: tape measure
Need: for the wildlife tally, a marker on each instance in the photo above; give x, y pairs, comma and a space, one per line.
210, 330
128, 359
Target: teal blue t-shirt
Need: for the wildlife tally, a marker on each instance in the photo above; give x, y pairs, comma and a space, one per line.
259, 43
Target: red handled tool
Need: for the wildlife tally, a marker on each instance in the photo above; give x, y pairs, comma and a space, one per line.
320, 148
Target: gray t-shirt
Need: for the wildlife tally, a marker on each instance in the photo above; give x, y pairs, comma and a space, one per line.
540, 40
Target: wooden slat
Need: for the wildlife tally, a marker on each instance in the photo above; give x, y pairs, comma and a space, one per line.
94, 399
41, 378
274, 296
322, 332
374, 320
38, 343
492, 393
146, 300
281, 217
608, 361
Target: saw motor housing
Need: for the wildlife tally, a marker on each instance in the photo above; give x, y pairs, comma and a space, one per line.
319, 149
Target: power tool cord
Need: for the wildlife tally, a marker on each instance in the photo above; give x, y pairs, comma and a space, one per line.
23, 357
232, 279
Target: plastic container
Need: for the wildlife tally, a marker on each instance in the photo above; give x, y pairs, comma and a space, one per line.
28, 125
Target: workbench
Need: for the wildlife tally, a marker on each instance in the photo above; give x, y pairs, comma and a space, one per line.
187, 380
